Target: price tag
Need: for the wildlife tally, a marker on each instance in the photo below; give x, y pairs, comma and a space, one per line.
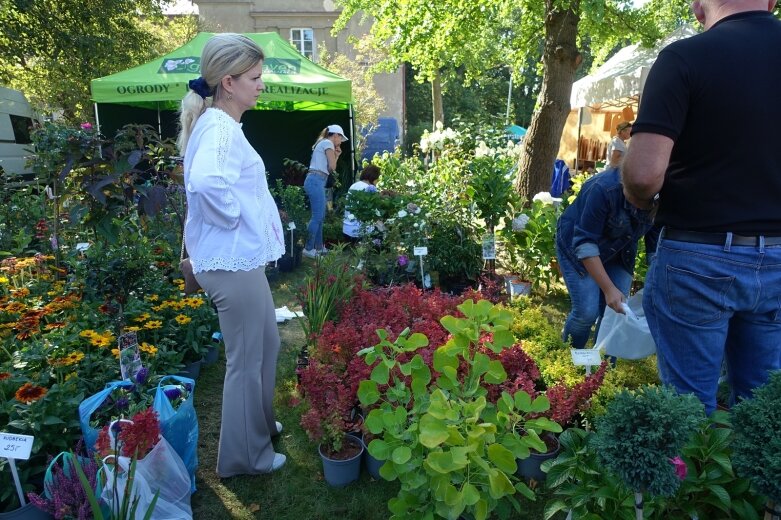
586, 356
82, 246
15, 445
489, 247
420, 251
291, 226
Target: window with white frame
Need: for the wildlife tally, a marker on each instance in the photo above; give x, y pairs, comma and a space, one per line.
304, 41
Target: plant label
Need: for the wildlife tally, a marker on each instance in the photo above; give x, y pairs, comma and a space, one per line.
489, 247
586, 356
15, 445
291, 226
129, 357
420, 251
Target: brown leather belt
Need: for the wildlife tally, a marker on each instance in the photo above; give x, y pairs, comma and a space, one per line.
719, 239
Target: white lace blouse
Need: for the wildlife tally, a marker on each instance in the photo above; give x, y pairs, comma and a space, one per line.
232, 220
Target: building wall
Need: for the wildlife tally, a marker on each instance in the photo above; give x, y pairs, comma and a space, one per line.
282, 15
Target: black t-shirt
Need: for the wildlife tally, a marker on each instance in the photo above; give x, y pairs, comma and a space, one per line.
718, 96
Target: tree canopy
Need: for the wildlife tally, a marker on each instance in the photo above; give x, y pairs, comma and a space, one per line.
51, 49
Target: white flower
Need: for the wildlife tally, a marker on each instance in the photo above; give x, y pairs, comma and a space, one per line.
519, 222
402, 213
544, 197
410, 183
377, 212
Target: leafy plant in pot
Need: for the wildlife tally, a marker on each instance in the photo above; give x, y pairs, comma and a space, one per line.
757, 445
453, 451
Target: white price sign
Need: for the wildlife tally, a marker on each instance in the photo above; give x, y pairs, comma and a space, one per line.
420, 251
586, 356
15, 446
291, 226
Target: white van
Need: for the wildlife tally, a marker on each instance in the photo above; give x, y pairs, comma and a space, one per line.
16, 121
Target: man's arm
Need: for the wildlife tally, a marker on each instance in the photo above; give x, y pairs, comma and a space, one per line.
644, 167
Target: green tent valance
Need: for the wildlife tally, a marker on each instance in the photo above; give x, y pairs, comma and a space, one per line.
292, 81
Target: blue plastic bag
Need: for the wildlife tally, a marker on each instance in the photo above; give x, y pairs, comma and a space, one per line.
179, 427
88, 407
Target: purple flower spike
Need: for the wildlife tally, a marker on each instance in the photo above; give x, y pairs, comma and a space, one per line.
122, 403
173, 393
142, 375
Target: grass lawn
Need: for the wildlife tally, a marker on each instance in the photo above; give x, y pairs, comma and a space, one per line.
298, 491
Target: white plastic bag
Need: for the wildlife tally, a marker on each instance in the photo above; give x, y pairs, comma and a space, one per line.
627, 335
161, 469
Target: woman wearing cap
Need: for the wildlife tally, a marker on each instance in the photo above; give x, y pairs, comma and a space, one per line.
617, 147
325, 153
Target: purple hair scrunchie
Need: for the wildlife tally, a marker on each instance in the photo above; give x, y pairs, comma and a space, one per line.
200, 87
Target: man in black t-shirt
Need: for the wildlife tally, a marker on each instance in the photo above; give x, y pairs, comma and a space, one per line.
704, 148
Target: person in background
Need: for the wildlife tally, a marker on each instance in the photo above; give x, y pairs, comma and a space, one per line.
325, 153
617, 147
351, 226
232, 231
596, 246
711, 166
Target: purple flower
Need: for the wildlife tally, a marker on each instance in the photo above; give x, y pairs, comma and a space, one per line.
141, 375
403, 260
86, 126
680, 467
173, 393
122, 403
116, 427
188, 387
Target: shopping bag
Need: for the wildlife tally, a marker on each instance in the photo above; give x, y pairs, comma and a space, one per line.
161, 472
626, 335
180, 426
89, 405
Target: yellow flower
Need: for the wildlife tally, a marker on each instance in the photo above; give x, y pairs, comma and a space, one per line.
74, 357
72, 375
153, 324
181, 319
115, 351
142, 318
3, 279
149, 349
88, 333
193, 303
132, 328
152, 298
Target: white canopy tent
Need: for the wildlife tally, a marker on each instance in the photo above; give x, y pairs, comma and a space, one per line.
619, 82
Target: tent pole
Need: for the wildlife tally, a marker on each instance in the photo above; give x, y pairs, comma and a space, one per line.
509, 97
352, 140
97, 116
577, 143
159, 125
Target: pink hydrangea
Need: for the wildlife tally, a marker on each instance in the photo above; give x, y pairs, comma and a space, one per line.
680, 467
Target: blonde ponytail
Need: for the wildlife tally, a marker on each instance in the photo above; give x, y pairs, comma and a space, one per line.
193, 105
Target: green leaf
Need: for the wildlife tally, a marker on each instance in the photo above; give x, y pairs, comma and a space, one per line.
433, 431
496, 373
503, 339
721, 494
480, 363
443, 359
502, 457
380, 374
540, 404
375, 422
401, 455
498, 484
52, 419
481, 510
416, 341
523, 401
379, 449
368, 393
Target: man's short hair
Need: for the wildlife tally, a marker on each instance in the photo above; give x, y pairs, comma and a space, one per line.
623, 126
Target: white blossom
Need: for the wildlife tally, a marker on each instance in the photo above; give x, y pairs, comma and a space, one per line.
519, 222
402, 213
546, 198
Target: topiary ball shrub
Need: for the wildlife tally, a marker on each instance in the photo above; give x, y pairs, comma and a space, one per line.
757, 442
641, 433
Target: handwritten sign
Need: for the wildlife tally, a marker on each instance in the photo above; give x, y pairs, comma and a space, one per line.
420, 251
586, 356
291, 226
16, 446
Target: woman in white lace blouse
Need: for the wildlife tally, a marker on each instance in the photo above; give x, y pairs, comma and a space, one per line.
232, 230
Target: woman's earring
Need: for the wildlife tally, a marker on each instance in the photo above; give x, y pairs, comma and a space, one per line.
230, 97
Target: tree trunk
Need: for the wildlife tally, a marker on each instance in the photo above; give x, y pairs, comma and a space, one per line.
561, 59
436, 100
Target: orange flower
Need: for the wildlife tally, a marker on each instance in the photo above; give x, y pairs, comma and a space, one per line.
4, 376
29, 393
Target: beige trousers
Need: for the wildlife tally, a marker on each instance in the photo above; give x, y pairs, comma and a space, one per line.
249, 328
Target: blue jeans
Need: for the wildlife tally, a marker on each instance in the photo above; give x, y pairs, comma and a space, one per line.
588, 302
314, 186
711, 303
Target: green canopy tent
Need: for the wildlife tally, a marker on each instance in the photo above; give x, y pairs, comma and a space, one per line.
301, 98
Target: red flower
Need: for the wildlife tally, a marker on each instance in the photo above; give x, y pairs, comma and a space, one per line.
4, 376
680, 467
29, 393
136, 439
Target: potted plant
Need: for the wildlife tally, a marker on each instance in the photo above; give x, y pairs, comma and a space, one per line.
641, 436
757, 444
291, 202
340, 451
453, 451
294, 172
456, 255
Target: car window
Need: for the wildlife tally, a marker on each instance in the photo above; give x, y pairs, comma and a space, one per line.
21, 126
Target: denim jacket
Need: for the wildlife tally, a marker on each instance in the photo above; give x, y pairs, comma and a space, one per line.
600, 222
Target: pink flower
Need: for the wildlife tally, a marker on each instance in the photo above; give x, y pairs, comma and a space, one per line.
86, 126
680, 467
403, 260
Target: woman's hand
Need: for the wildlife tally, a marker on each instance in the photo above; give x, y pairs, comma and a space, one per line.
614, 298
338, 150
